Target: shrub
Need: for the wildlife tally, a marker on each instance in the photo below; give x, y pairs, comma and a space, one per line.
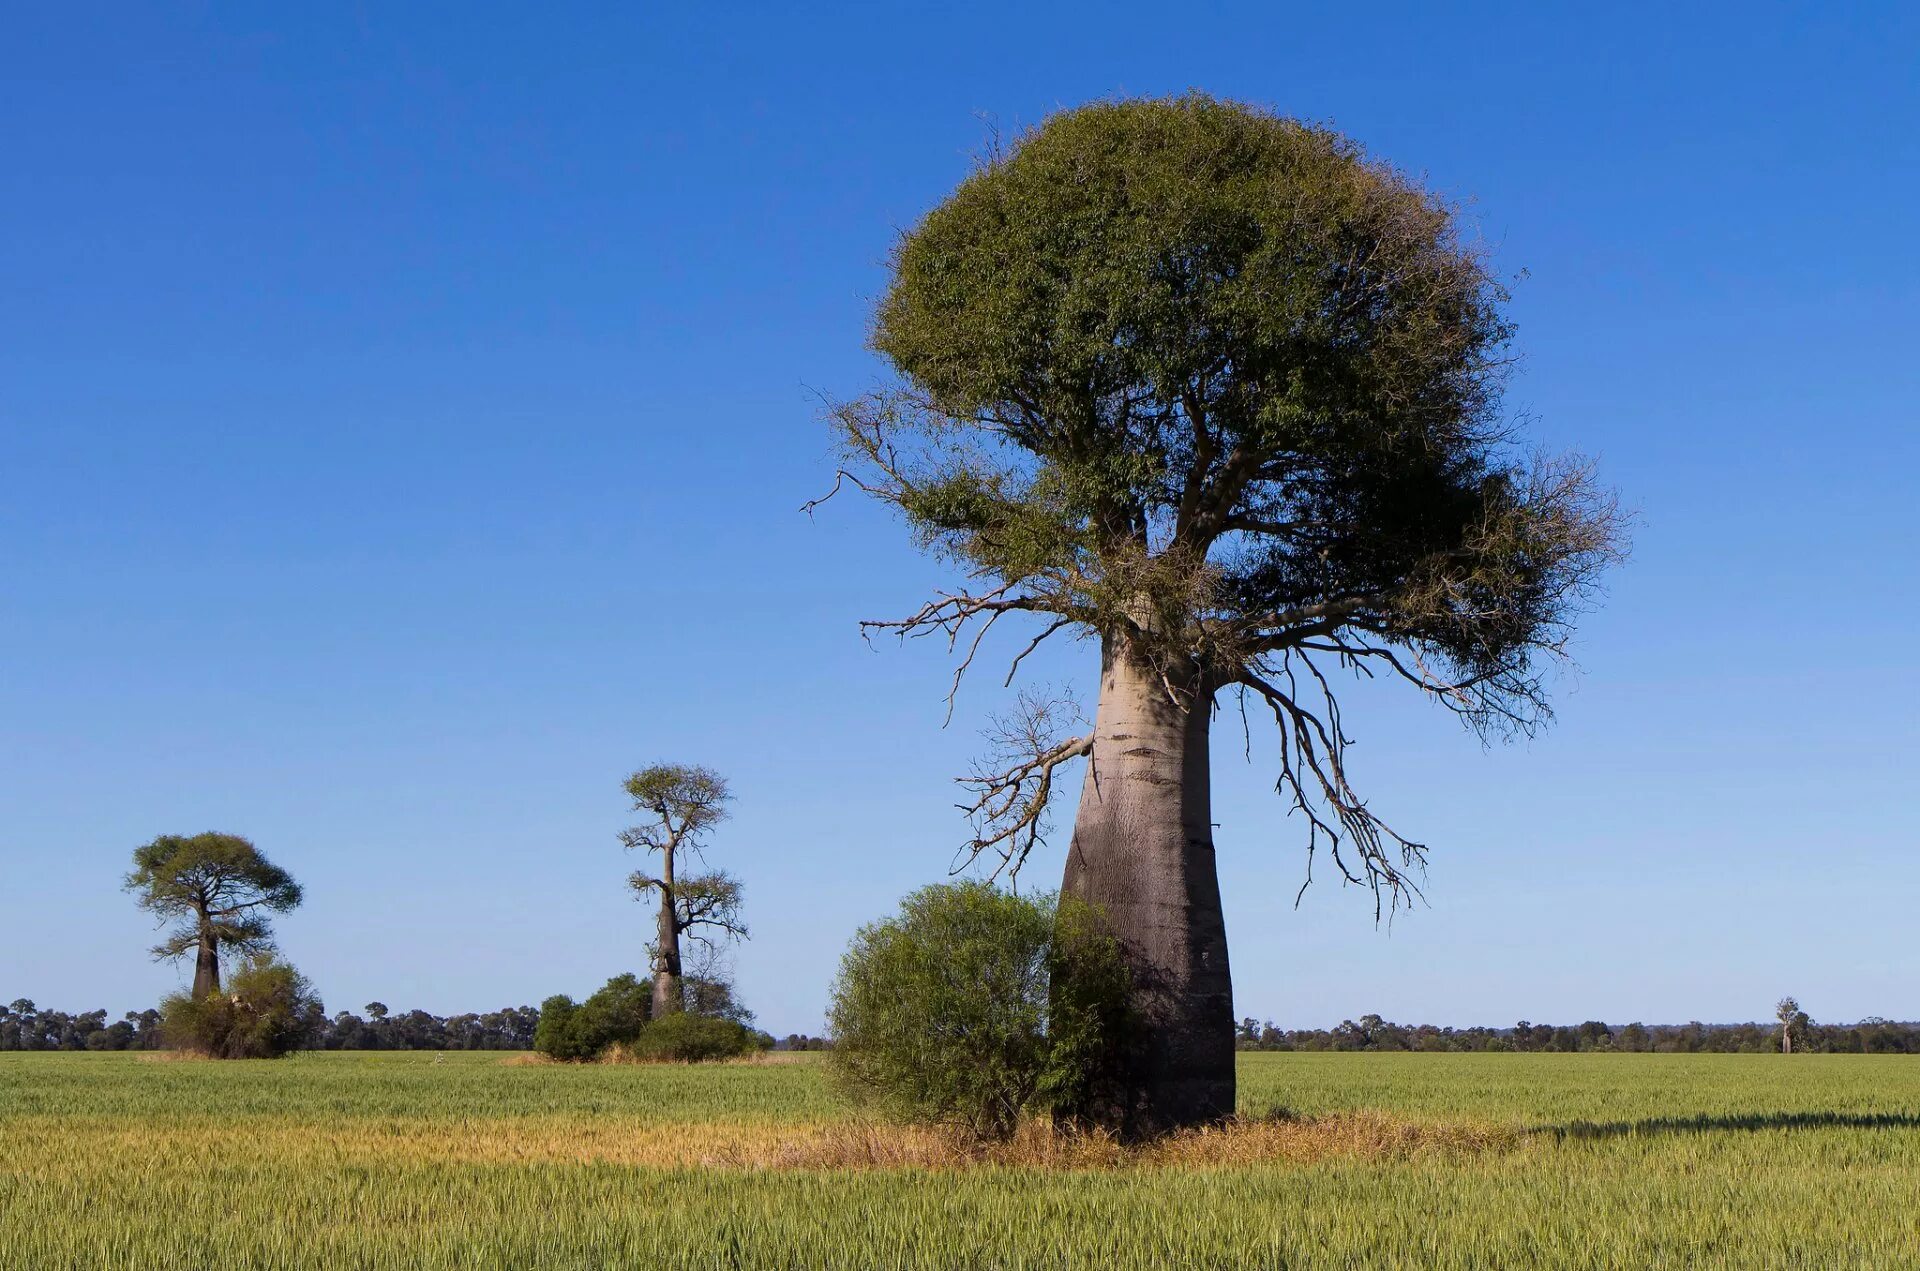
616, 1013
553, 1036
973, 1006
265, 1011
689, 1038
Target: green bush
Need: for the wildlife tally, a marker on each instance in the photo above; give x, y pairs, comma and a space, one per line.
553, 1036
973, 1006
688, 1038
615, 1014
265, 1011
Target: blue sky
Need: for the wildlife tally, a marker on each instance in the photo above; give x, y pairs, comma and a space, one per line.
404, 413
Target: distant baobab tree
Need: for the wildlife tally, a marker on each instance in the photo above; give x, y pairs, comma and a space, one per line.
1792, 1019
685, 802
220, 889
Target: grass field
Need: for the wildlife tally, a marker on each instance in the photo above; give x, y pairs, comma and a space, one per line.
412, 1160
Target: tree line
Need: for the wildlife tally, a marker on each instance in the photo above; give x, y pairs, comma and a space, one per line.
1871, 1036
24, 1026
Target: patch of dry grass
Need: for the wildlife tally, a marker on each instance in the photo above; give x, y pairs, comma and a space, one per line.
727, 1145
1276, 1140
621, 1054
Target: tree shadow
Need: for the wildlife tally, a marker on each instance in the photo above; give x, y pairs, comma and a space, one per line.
1705, 1124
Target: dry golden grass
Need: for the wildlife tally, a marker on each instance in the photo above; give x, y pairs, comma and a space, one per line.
620, 1054
724, 1145
1268, 1141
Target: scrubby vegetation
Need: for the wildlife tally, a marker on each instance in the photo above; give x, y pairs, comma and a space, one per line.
684, 1037
617, 1023
262, 1013
973, 1006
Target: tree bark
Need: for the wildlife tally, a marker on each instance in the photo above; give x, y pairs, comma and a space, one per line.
667, 997
206, 965
1142, 852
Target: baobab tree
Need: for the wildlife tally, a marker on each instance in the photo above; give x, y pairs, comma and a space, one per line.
1214, 389
218, 889
1792, 1020
685, 802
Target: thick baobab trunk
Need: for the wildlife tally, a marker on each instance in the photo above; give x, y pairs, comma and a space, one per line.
206, 965
666, 956
1142, 852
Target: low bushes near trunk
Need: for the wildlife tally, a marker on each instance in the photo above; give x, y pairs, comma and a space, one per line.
616, 1013
615, 1024
973, 1007
687, 1038
264, 1012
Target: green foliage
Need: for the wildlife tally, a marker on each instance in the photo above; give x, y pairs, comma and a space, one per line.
1088, 991
687, 1038
687, 797
266, 1011
616, 1013
1214, 382
705, 904
974, 1005
1139, 288
219, 883
553, 1036
713, 996
714, 1025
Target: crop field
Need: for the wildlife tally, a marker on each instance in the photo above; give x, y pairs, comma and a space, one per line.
412, 1160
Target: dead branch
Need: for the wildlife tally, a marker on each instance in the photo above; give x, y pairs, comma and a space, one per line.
1009, 807
1313, 777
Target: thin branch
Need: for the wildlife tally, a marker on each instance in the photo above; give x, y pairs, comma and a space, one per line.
1009, 806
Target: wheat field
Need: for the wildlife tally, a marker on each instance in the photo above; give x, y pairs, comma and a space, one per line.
462, 1160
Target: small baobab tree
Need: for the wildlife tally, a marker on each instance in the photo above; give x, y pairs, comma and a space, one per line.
217, 889
1792, 1020
685, 802
1220, 394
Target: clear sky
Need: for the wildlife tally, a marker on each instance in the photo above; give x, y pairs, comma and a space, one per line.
405, 409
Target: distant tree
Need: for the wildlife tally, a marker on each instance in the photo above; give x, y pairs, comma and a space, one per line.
1219, 393
686, 802
1793, 1023
217, 889
376, 1011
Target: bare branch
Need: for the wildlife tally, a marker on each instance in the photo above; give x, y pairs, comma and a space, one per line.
1313, 776
1009, 807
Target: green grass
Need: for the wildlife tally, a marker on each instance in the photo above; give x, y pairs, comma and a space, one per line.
397, 1160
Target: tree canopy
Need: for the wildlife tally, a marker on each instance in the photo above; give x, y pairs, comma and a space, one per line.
1216, 381
217, 889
